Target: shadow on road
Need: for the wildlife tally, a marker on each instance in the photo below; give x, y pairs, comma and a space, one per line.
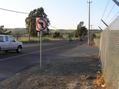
71, 66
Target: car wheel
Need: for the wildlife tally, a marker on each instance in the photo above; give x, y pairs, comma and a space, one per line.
19, 49
6, 51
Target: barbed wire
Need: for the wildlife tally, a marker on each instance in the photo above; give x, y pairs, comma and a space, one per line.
110, 11
108, 1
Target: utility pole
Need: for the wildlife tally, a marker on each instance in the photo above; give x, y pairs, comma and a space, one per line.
89, 3
91, 27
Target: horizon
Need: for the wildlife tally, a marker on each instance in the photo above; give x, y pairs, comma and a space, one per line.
62, 14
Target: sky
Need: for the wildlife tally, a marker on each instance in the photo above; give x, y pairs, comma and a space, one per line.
63, 14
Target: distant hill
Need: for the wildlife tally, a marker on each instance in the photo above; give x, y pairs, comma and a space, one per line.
95, 31
17, 30
73, 30
63, 31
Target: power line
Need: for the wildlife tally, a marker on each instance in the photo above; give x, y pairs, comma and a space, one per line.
13, 11
20, 13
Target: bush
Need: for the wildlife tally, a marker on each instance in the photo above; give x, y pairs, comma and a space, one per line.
95, 38
57, 35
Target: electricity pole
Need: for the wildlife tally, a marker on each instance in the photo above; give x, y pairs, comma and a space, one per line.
89, 3
91, 27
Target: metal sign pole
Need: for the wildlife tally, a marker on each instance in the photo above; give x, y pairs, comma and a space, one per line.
40, 26
40, 46
40, 49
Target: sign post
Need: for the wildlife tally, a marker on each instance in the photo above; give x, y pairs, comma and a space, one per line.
40, 26
40, 42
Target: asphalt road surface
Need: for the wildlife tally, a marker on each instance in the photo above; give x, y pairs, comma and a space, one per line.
12, 63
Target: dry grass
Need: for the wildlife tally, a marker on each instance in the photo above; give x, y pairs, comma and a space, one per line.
36, 39
34, 81
99, 82
60, 72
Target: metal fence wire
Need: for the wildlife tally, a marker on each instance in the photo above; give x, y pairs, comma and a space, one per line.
109, 54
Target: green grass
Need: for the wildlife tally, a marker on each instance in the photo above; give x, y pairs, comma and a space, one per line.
98, 34
36, 39
97, 42
32, 39
95, 39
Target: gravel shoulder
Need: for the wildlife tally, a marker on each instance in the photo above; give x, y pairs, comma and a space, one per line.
75, 68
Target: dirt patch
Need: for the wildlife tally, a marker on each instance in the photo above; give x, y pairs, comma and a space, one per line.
47, 82
69, 73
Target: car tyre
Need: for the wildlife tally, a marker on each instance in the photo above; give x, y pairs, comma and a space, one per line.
19, 49
6, 51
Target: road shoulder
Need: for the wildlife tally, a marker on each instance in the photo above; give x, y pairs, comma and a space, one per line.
74, 71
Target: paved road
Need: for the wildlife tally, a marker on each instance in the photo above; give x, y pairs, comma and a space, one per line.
11, 63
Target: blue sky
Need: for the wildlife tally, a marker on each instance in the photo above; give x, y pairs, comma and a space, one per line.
62, 13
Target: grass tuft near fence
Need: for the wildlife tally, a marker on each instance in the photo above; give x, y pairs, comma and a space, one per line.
95, 39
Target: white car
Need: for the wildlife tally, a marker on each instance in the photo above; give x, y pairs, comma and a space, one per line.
8, 42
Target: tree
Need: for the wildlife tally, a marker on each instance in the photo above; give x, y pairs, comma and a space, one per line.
81, 31
4, 31
57, 35
80, 25
31, 20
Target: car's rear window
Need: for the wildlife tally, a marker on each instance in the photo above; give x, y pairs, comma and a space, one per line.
1, 39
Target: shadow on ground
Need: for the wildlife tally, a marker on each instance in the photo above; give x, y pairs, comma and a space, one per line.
71, 66
60, 73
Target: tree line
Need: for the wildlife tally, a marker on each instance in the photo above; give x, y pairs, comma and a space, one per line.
30, 21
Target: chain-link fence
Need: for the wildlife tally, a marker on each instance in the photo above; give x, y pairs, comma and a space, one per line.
109, 53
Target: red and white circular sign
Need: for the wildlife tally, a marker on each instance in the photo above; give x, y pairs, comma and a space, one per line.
40, 24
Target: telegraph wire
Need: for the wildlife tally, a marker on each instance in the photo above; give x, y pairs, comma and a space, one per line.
13, 11
20, 12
